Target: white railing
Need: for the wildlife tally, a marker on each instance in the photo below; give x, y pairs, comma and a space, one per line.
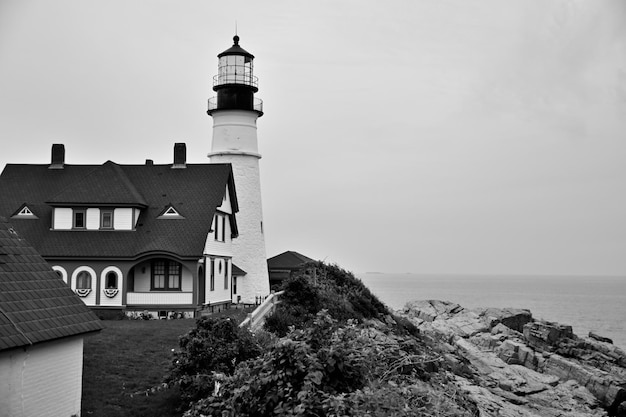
257, 317
159, 298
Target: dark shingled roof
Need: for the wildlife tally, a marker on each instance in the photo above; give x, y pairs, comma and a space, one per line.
35, 304
195, 192
106, 184
288, 260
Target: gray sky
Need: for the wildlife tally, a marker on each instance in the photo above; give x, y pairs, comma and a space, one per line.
458, 136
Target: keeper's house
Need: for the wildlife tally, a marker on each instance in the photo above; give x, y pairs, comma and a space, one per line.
42, 326
133, 238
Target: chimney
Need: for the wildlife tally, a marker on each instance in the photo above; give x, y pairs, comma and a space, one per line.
58, 156
149, 162
180, 155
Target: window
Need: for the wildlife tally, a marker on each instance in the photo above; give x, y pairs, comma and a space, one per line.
219, 228
110, 280
170, 213
79, 219
106, 219
212, 281
83, 280
61, 272
225, 274
25, 213
83, 283
165, 275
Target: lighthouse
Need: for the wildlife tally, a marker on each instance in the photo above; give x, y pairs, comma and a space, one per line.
235, 111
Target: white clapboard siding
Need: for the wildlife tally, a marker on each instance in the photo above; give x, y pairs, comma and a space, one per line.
123, 219
42, 380
93, 219
62, 218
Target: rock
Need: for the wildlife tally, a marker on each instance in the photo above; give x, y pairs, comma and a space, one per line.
507, 331
599, 338
513, 318
487, 341
484, 362
545, 335
429, 310
605, 387
544, 370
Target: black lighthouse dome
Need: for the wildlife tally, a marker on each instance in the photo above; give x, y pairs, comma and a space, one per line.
235, 82
236, 50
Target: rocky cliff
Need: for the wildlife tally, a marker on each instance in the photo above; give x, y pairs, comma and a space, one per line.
512, 365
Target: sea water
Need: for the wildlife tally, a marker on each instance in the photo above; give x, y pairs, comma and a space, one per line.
586, 303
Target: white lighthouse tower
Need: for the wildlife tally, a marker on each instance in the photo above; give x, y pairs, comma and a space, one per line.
235, 111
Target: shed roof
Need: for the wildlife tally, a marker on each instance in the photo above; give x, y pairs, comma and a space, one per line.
35, 304
288, 260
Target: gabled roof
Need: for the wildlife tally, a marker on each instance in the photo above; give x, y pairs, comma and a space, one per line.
104, 185
288, 260
196, 191
35, 304
236, 271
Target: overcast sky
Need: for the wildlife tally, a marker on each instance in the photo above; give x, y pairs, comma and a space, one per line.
429, 136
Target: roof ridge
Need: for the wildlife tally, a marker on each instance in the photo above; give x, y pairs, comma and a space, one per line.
128, 183
110, 170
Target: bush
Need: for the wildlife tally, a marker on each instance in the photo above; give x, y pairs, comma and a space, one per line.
295, 377
328, 287
215, 346
298, 306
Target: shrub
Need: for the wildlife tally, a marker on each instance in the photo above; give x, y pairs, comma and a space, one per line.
295, 377
328, 287
298, 306
215, 346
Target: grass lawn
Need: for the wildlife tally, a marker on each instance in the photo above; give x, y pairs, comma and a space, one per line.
131, 356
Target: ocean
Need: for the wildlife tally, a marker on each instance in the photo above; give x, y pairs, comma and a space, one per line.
586, 303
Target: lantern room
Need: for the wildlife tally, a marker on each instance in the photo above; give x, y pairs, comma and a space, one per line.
235, 82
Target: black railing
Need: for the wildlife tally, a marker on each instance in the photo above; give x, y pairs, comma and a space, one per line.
236, 78
258, 105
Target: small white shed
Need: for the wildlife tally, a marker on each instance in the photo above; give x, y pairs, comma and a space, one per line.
42, 326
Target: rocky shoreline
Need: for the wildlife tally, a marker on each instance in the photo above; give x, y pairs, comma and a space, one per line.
512, 365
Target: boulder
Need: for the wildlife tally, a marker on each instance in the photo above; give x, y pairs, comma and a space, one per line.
429, 310
599, 338
545, 335
523, 367
513, 318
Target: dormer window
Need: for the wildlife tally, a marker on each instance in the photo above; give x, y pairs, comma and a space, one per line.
170, 213
25, 213
79, 219
106, 219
